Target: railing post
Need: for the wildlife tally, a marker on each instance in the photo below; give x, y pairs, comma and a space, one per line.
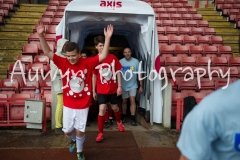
196, 3
206, 5
179, 113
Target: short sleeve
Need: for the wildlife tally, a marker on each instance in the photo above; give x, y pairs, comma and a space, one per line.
93, 62
58, 61
197, 135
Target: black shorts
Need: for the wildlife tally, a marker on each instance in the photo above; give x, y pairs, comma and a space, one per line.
104, 98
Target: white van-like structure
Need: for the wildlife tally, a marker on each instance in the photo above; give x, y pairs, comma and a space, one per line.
133, 19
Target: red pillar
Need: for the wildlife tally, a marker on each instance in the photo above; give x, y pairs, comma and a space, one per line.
196, 3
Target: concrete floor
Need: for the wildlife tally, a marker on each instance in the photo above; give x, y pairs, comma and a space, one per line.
138, 143
157, 136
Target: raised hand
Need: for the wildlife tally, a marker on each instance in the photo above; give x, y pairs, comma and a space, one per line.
109, 31
40, 28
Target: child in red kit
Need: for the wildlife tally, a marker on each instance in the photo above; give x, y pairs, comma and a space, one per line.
76, 86
107, 79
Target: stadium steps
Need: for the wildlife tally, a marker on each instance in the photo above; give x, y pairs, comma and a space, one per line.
19, 21
2, 76
7, 56
207, 12
4, 67
220, 25
223, 28
12, 45
18, 28
24, 14
215, 18
15, 33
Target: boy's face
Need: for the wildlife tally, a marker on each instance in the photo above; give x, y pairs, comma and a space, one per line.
73, 57
99, 47
83, 55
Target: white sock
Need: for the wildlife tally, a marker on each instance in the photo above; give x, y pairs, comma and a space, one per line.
72, 136
79, 142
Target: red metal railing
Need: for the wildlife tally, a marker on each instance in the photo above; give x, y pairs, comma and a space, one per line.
180, 112
197, 4
206, 5
12, 112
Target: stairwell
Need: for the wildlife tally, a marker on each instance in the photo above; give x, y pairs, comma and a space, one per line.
223, 28
14, 34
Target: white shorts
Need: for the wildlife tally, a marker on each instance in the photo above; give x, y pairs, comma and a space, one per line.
74, 118
131, 93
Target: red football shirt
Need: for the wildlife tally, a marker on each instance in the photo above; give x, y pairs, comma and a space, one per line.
106, 82
77, 85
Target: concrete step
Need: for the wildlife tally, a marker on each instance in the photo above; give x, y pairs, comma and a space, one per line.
210, 8
8, 42
235, 49
236, 54
12, 56
33, 7
227, 34
9, 48
11, 45
208, 13
16, 30
13, 26
226, 30
234, 46
25, 16
14, 38
3, 75
8, 59
24, 20
220, 24
7, 52
214, 18
14, 34
230, 39
21, 23
4, 65
211, 5
27, 12
231, 42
